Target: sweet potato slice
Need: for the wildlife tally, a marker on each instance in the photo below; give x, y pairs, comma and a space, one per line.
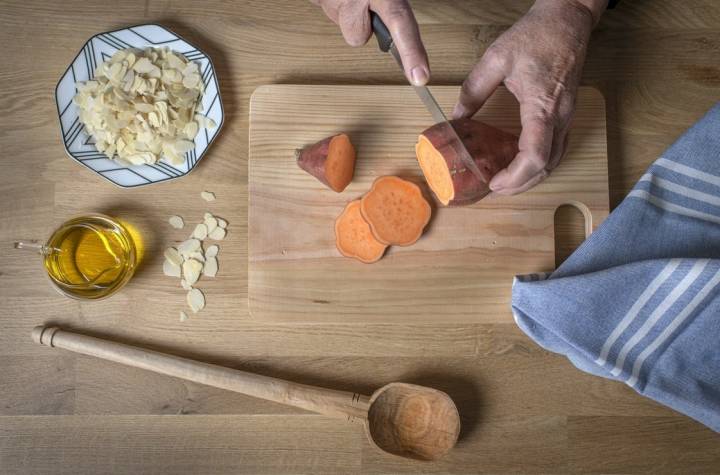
353, 237
451, 181
396, 211
331, 160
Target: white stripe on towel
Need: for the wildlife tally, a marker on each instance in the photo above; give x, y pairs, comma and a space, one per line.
673, 208
688, 171
658, 313
681, 190
681, 317
635, 309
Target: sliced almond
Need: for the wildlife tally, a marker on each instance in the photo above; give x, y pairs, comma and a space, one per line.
183, 316
143, 65
198, 256
185, 285
182, 146
207, 196
170, 269
188, 247
176, 222
200, 232
172, 255
212, 251
191, 270
196, 300
191, 81
211, 267
218, 234
205, 122
191, 130
211, 223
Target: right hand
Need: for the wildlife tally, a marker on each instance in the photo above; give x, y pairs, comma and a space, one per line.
353, 18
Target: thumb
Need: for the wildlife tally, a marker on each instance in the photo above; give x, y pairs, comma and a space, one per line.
479, 85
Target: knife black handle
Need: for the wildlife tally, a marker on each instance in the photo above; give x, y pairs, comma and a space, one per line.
382, 34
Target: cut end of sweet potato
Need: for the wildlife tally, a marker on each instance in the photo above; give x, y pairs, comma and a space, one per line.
340, 163
436, 171
452, 182
354, 238
331, 160
396, 211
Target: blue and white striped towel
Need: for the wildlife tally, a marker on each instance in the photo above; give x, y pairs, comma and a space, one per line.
639, 301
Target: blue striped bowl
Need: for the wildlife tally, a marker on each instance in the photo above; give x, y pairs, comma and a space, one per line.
81, 147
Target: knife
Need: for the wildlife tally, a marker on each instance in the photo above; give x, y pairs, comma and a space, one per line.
386, 44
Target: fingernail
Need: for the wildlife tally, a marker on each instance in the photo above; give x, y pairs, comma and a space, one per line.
458, 111
419, 76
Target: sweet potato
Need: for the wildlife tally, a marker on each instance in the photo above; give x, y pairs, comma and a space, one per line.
451, 181
331, 160
396, 211
353, 237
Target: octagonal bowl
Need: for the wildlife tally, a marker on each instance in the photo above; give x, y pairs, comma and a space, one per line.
80, 145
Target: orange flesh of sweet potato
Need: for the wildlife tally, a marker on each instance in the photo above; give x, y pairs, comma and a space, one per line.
396, 210
331, 160
354, 238
453, 183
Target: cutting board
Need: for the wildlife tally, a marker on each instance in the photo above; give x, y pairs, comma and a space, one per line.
461, 270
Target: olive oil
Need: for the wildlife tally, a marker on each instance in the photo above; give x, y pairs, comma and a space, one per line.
90, 257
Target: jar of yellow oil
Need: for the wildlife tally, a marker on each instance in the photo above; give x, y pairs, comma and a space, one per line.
89, 257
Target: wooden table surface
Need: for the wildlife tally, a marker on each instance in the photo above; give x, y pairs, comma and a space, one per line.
523, 409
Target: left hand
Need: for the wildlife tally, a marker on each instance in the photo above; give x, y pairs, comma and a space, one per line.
540, 60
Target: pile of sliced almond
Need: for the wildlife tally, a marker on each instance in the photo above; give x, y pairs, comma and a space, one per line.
188, 261
144, 105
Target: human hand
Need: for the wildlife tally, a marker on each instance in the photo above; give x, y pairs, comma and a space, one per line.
540, 60
353, 18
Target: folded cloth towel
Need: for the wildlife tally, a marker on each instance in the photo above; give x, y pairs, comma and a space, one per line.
639, 301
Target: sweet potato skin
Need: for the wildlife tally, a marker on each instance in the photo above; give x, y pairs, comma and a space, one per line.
491, 148
313, 159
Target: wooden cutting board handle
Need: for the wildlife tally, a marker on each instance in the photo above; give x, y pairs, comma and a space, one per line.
344, 404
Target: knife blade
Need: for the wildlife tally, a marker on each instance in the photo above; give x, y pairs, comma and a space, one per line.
386, 44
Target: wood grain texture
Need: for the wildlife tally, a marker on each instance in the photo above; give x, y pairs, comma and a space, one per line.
525, 410
459, 271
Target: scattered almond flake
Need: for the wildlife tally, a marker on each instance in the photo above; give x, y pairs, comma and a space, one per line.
218, 234
176, 222
188, 247
212, 251
200, 232
183, 316
185, 285
142, 104
207, 195
211, 267
210, 222
196, 300
198, 256
172, 255
222, 223
191, 270
170, 269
